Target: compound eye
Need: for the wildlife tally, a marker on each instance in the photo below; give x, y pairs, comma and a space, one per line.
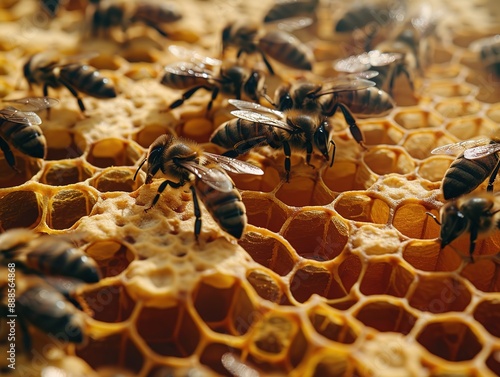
286, 102
453, 224
321, 140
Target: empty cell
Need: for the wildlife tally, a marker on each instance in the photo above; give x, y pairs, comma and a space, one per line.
439, 293
264, 212
61, 144
68, 206
112, 257
389, 278
103, 352
274, 334
449, 89
387, 160
411, 119
443, 71
493, 113
419, 144
493, 361
335, 365
381, 132
427, 255
62, 173
384, 315
452, 340
169, 331
110, 303
471, 127
341, 176
487, 313
19, 209
265, 285
434, 168
358, 206
484, 274
114, 152
309, 280
332, 326
455, 108
317, 234
303, 191
148, 134
269, 250
27, 167
116, 179
212, 356
412, 221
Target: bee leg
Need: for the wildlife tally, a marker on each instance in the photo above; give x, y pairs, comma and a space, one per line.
401, 70
493, 177
333, 152
266, 62
186, 95
473, 237
162, 188
74, 93
434, 217
308, 154
215, 92
46, 94
9, 156
288, 152
353, 127
197, 213
26, 335
160, 31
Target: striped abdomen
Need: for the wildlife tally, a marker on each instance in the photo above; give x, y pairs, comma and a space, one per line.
369, 102
235, 131
88, 80
464, 175
226, 208
26, 138
287, 49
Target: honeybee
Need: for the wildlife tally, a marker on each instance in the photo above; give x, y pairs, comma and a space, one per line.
489, 52
478, 161
19, 126
120, 13
49, 69
188, 163
47, 255
278, 44
473, 213
283, 9
257, 125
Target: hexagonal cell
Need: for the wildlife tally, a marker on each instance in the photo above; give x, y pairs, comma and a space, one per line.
493, 361
455, 108
68, 206
428, 256
266, 285
434, 168
198, 129
416, 118
494, 113
116, 179
471, 127
265, 212
113, 351
484, 274
308, 280
110, 303
384, 315
381, 132
449, 89
61, 144
169, 331
269, 250
439, 294
334, 364
150, 133
411, 220
112, 257
443, 71
266, 182
332, 325
303, 191
386, 278
385, 160
62, 173
224, 305
212, 356
358, 206
19, 209
342, 176
316, 233
114, 152
487, 313
27, 167
451, 339
419, 144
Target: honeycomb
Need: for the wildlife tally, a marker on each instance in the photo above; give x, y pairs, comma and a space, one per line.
339, 272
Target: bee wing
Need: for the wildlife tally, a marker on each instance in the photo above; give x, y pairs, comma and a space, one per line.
367, 75
252, 106
188, 69
233, 165
193, 56
481, 151
261, 118
478, 44
457, 148
16, 116
380, 59
343, 84
291, 23
32, 103
215, 178
352, 64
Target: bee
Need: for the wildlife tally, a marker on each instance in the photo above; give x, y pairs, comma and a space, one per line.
478, 161
185, 161
283, 9
258, 125
19, 126
489, 52
280, 45
119, 13
473, 213
47, 255
49, 69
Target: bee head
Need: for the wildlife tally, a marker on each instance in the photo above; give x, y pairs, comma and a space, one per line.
453, 223
322, 140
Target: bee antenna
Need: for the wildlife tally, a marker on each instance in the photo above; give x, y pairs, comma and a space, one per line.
268, 99
140, 166
434, 218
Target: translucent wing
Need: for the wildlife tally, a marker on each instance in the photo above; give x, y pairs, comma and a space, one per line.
351, 64
481, 151
252, 106
377, 58
215, 178
261, 118
292, 23
32, 103
457, 148
16, 116
193, 56
233, 165
344, 84
361, 75
188, 69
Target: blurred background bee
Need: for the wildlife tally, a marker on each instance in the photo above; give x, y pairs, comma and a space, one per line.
488, 50
19, 127
257, 125
283, 9
52, 70
232, 79
477, 214
187, 162
111, 14
478, 160
249, 38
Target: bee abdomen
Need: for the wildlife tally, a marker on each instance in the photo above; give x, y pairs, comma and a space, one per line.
26, 138
88, 80
463, 175
370, 102
287, 49
228, 134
